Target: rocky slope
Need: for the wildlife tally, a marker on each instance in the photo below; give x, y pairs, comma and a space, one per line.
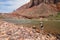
9, 31
38, 8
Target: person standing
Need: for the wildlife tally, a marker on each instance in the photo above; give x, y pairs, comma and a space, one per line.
41, 26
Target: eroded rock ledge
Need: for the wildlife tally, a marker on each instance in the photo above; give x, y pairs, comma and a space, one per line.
37, 2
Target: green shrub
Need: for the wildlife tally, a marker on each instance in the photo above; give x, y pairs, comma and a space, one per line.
1, 17
58, 15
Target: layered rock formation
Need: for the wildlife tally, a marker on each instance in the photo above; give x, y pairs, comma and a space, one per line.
37, 2
39, 8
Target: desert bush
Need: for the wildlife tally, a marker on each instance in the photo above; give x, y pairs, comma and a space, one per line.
1, 17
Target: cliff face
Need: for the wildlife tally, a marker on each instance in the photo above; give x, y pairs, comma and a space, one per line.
38, 8
58, 6
37, 2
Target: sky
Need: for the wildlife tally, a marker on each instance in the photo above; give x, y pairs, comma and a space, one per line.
7, 6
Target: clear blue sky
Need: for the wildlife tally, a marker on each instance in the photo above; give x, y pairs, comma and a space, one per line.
10, 5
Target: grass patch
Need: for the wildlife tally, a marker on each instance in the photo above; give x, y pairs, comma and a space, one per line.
51, 26
57, 17
1, 17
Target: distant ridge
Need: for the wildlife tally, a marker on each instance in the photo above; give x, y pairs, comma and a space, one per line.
37, 9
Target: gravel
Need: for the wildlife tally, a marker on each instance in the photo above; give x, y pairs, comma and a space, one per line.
9, 31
